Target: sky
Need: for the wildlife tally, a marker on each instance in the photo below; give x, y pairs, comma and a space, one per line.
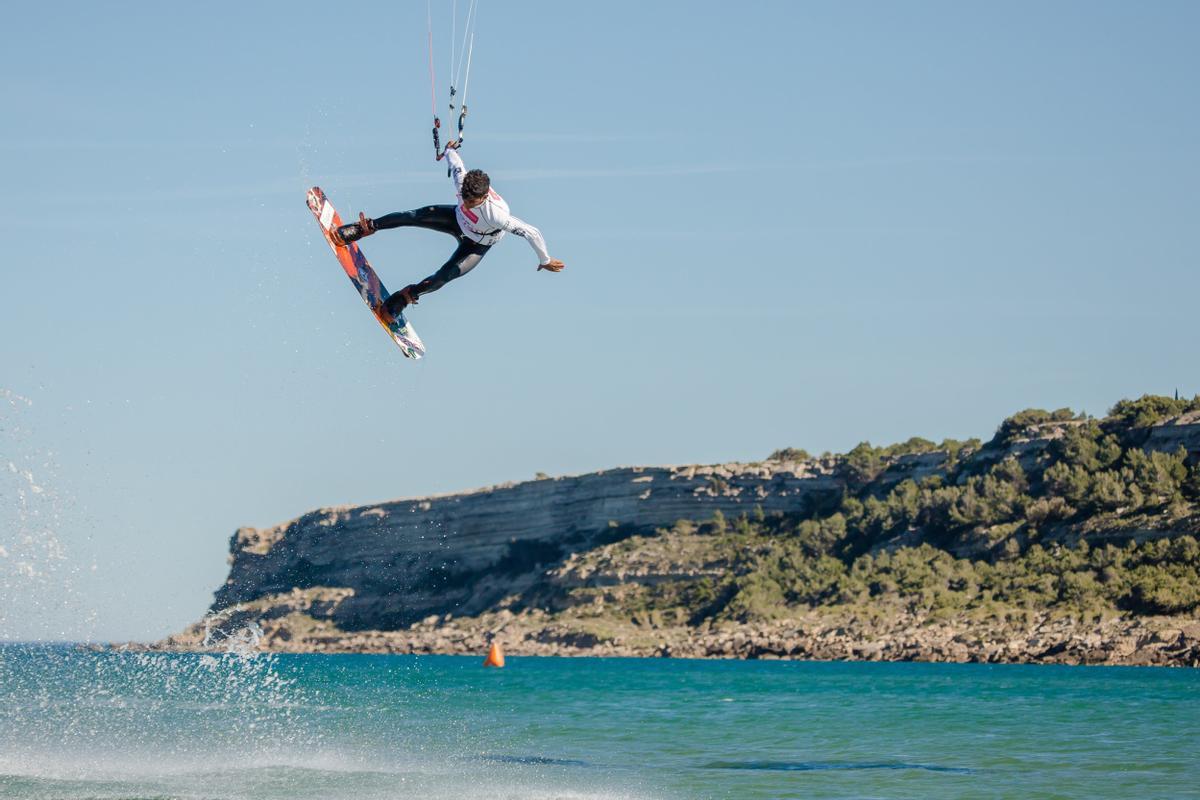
784, 224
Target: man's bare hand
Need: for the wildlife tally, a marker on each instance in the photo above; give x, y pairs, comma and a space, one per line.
554, 265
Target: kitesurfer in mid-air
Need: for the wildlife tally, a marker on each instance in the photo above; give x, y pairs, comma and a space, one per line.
480, 219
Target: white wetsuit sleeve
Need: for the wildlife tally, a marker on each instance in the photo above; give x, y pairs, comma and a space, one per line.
529, 234
457, 170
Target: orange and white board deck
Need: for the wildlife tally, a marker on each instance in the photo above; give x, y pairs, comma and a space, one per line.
370, 288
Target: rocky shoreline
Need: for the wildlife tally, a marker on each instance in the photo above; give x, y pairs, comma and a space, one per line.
819, 636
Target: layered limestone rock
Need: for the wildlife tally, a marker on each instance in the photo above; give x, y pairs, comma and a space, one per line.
1181, 432
406, 559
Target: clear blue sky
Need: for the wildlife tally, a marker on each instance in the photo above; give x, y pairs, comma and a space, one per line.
784, 224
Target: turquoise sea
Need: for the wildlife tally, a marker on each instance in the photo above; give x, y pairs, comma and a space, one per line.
79, 724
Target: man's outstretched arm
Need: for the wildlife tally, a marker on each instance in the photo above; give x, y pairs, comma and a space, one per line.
532, 235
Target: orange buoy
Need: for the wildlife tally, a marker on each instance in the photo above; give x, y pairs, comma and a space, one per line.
495, 656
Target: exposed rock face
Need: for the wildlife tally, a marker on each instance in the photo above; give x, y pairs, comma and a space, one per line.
457, 553
1181, 432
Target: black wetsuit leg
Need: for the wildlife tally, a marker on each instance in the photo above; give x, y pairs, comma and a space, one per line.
466, 256
435, 218
438, 218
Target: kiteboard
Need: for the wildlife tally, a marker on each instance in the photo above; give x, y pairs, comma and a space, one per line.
370, 288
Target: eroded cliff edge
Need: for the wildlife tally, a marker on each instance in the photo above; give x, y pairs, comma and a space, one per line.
1036, 546
462, 553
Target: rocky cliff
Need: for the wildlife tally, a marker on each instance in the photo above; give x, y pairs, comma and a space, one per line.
600, 562
461, 553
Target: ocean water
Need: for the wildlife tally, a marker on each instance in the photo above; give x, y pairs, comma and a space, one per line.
79, 724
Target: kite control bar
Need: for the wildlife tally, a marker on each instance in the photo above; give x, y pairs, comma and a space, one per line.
462, 116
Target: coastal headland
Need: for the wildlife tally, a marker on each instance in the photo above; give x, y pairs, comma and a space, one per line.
1062, 539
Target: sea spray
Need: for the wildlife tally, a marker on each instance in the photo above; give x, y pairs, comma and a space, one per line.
38, 579
242, 641
74, 711
90, 723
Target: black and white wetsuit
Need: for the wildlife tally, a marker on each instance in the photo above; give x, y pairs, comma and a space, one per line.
476, 229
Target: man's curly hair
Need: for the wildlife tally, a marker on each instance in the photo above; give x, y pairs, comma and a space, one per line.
475, 185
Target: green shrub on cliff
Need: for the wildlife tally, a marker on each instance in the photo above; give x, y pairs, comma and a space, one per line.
819, 537
755, 598
766, 577
789, 454
1159, 476
1159, 591
1143, 480
862, 464
955, 449
914, 446
1087, 446
1150, 409
1152, 577
1190, 489
1019, 424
